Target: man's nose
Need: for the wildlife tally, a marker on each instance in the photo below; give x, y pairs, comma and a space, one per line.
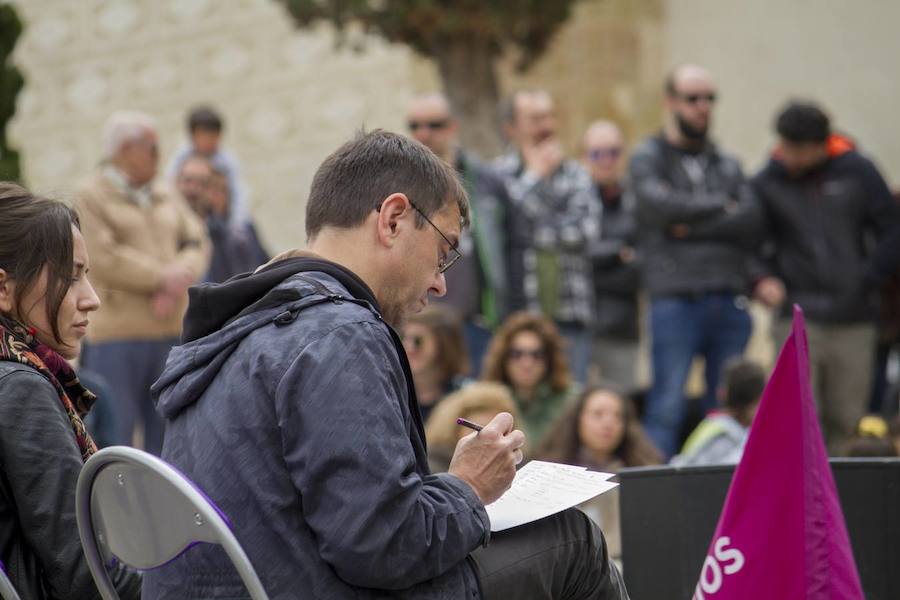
439, 288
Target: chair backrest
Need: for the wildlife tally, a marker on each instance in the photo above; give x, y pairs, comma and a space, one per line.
7, 591
139, 509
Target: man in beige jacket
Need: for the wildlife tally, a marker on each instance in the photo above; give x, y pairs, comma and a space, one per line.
147, 247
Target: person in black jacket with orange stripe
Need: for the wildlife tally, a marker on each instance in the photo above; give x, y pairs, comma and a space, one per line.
832, 235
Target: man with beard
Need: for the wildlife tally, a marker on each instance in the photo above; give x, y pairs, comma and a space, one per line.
696, 222
833, 239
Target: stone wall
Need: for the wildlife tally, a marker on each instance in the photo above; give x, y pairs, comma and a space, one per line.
842, 54
288, 97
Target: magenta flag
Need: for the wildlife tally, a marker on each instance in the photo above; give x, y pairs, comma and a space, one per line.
782, 534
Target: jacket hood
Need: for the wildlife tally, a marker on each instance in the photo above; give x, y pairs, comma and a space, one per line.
836, 145
220, 315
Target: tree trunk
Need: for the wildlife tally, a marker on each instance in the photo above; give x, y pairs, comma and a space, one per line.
467, 68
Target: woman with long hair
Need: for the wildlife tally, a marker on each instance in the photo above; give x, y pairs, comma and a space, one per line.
436, 349
527, 355
601, 432
45, 304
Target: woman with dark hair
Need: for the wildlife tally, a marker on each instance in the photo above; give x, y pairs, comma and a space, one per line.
527, 355
45, 302
601, 432
436, 349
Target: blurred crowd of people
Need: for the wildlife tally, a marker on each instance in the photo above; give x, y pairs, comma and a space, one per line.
549, 286
566, 249
567, 261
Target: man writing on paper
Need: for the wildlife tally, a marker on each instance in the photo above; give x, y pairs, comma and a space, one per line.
291, 404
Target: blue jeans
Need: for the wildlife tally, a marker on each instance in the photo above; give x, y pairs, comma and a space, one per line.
579, 339
477, 340
130, 368
713, 325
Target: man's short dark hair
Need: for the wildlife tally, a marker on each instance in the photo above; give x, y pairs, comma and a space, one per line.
744, 383
205, 118
802, 123
356, 178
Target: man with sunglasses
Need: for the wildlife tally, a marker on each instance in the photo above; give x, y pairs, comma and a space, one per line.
697, 223
477, 286
616, 274
555, 219
291, 404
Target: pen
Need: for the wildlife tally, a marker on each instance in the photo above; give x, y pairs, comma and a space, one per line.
469, 424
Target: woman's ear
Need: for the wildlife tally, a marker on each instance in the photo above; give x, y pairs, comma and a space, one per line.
7, 292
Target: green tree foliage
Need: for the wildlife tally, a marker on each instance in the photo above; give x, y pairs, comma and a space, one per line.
11, 82
464, 38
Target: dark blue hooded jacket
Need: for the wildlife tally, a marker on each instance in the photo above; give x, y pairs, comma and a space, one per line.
290, 404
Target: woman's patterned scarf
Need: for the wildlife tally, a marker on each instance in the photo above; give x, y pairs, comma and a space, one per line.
18, 344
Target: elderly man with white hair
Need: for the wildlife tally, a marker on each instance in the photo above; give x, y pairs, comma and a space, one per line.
147, 247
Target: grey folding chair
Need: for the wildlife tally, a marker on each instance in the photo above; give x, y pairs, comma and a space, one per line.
7, 591
139, 509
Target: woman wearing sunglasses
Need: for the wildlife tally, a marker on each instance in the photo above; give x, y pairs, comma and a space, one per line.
45, 304
527, 355
436, 349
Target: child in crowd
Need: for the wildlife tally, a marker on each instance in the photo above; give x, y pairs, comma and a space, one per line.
720, 437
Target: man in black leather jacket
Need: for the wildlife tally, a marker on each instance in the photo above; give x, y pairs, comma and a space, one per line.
616, 271
833, 237
697, 220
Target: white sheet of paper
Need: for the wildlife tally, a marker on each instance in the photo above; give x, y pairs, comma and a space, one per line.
541, 489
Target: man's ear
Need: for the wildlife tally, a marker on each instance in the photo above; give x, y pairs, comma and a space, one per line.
390, 217
7, 292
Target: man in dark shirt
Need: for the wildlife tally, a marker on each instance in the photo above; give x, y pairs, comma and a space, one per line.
697, 222
616, 274
832, 239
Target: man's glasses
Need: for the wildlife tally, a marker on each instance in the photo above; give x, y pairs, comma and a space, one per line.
434, 125
519, 354
695, 98
452, 256
598, 154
